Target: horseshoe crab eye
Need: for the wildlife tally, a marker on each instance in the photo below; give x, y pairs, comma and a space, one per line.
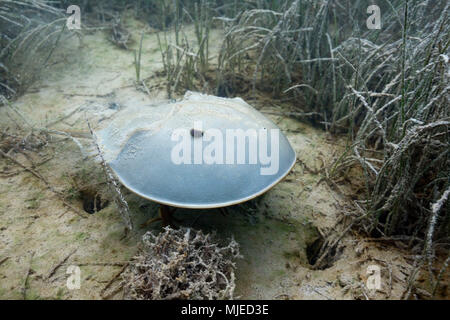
196, 133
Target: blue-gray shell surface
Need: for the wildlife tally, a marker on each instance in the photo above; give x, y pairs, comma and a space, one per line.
137, 145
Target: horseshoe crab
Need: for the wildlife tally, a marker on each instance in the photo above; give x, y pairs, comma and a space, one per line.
201, 152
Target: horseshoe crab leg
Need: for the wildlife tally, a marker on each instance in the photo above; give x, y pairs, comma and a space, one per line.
164, 214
